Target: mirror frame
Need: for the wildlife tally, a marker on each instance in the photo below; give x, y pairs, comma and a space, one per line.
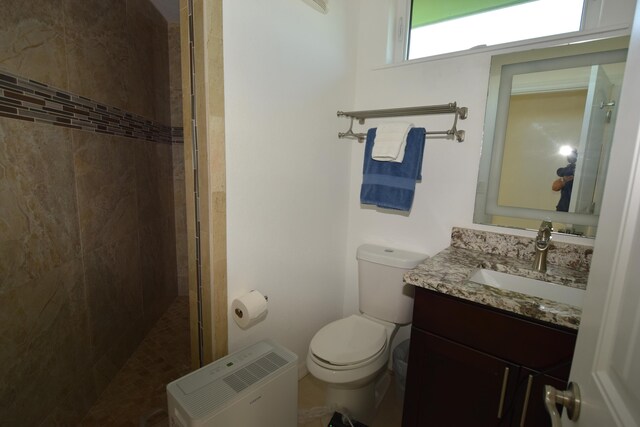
503, 68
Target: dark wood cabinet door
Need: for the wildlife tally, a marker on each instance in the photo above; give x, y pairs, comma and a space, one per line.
529, 406
451, 385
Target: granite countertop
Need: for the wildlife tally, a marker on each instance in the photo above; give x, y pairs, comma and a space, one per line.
448, 273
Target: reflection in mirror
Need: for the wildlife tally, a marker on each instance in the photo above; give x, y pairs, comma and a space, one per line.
548, 131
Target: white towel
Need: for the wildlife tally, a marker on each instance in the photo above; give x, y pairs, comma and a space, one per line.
390, 142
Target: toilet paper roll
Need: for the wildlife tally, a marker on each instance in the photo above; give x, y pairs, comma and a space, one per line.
248, 309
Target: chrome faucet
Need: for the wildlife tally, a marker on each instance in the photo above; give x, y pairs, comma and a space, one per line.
543, 240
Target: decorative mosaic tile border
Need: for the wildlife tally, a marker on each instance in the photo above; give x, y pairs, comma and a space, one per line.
26, 99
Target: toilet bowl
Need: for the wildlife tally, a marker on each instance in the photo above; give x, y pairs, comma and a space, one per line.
351, 355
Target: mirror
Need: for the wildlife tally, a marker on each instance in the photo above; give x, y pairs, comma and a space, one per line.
548, 130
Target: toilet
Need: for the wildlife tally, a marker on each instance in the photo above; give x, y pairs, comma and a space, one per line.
350, 355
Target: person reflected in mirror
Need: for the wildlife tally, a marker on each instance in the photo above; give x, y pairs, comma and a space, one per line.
564, 183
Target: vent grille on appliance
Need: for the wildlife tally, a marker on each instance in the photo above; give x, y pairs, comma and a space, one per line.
254, 372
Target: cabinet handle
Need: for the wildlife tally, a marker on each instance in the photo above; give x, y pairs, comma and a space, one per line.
505, 379
523, 418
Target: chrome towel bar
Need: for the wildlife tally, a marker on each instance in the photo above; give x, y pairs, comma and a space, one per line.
450, 108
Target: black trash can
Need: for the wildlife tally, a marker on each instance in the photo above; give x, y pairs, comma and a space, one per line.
400, 361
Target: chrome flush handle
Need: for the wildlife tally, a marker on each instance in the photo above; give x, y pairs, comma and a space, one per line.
570, 399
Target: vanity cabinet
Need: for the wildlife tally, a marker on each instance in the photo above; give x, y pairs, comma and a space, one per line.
472, 365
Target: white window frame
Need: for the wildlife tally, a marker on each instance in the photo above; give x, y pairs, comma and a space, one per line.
400, 40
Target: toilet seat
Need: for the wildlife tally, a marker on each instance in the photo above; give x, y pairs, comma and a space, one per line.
348, 343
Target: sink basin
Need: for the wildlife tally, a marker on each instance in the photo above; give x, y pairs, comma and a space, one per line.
532, 287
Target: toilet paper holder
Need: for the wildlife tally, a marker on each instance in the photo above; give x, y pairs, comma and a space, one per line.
239, 312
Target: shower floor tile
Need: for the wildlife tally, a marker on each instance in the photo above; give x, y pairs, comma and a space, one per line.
138, 389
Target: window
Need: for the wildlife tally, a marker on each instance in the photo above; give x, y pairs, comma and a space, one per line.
443, 26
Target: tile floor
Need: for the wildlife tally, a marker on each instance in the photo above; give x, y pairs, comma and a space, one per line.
139, 387
138, 390
311, 395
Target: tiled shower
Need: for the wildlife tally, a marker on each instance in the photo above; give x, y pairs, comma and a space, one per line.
92, 211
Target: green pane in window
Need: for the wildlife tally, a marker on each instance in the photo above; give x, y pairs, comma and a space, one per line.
425, 12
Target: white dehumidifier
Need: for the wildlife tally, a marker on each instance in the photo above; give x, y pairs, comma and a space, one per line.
253, 387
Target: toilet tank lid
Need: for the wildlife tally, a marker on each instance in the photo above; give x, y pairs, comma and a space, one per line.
389, 256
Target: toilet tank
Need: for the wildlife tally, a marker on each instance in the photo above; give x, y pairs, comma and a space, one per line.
383, 293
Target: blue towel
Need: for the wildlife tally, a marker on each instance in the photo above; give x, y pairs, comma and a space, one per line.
388, 184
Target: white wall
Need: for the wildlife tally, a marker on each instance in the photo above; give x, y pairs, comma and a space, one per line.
445, 197
288, 69
294, 217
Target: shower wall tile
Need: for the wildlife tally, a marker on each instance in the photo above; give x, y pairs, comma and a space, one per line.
73, 405
149, 73
120, 59
168, 223
175, 76
114, 293
45, 336
97, 50
109, 364
154, 175
38, 219
30, 309
156, 218
164, 154
140, 30
158, 267
180, 203
178, 164
87, 222
106, 183
179, 196
32, 40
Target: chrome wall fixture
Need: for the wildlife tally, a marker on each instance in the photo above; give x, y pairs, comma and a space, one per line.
450, 108
319, 5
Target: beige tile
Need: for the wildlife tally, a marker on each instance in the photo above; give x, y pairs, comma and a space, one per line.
47, 321
114, 293
32, 40
148, 76
311, 394
97, 50
180, 208
154, 178
38, 219
30, 308
138, 388
175, 75
182, 260
106, 186
178, 161
212, 191
73, 406
157, 253
43, 329
389, 413
169, 257
162, 89
149, 179
164, 153
156, 216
